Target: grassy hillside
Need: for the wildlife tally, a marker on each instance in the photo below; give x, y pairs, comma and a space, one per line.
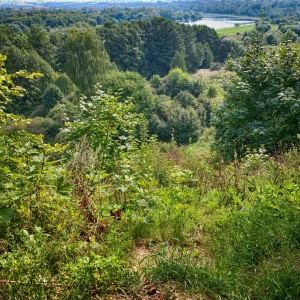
170, 222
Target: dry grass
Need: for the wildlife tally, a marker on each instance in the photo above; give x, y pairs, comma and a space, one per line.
207, 74
215, 79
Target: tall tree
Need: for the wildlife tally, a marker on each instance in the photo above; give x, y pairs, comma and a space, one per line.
124, 43
208, 35
229, 46
87, 60
178, 61
208, 56
27, 60
194, 52
162, 39
40, 41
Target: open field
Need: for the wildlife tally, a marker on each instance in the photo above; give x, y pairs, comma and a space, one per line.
235, 30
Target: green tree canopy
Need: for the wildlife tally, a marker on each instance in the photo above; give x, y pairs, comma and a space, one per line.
130, 85
87, 60
124, 43
177, 80
162, 39
40, 41
7, 86
20, 59
262, 106
51, 96
172, 121
178, 61
65, 84
230, 46
185, 99
208, 56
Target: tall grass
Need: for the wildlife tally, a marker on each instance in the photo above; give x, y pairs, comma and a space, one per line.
224, 231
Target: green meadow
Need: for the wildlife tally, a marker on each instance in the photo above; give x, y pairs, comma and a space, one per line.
235, 30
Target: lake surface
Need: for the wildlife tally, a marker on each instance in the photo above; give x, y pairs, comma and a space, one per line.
218, 22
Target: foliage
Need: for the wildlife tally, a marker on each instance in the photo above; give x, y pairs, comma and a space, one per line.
208, 56
177, 80
155, 81
273, 37
64, 83
212, 92
172, 122
8, 88
124, 43
185, 99
108, 124
62, 18
261, 106
48, 127
32, 62
155, 46
51, 96
178, 61
216, 66
40, 42
113, 213
162, 39
87, 61
131, 86
181, 116
231, 47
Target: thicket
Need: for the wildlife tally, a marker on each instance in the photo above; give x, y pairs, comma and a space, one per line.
109, 211
261, 106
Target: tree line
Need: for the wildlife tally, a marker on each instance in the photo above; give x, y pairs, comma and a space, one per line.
123, 58
86, 17
274, 9
148, 46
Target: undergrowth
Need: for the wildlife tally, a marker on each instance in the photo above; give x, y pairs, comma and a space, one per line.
225, 231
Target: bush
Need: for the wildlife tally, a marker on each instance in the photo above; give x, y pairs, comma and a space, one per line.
174, 122
212, 92
216, 66
51, 96
260, 105
64, 83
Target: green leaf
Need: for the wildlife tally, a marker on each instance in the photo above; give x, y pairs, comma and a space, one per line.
6, 214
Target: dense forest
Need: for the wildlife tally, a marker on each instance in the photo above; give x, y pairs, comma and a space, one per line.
85, 17
119, 57
275, 9
141, 158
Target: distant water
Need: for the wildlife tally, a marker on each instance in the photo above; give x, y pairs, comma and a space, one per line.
222, 22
